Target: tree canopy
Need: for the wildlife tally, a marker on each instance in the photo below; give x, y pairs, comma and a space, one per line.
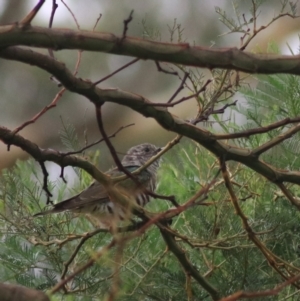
223, 223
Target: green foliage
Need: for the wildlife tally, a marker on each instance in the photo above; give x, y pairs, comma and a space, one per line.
274, 98
33, 253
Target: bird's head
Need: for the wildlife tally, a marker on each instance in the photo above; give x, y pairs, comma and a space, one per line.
140, 154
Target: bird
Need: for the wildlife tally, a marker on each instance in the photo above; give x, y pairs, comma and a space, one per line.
95, 200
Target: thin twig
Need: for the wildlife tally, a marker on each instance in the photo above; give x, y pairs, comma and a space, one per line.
45, 182
288, 195
261, 294
97, 21
107, 141
270, 144
160, 69
210, 111
98, 141
72, 14
260, 130
126, 22
53, 10
181, 87
91, 262
115, 72
41, 113
154, 104
27, 20
268, 254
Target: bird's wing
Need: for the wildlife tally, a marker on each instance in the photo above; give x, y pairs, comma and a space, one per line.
96, 193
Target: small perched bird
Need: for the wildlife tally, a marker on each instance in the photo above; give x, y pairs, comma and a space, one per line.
95, 200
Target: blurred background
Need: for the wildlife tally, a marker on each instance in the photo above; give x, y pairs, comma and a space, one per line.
25, 90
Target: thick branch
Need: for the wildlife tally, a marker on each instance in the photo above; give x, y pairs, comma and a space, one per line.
185, 54
186, 264
42, 155
11, 292
161, 115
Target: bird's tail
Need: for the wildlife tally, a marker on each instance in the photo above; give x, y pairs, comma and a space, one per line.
43, 213
59, 207
54, 210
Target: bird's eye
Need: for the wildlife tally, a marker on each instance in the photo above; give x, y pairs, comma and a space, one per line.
147, 149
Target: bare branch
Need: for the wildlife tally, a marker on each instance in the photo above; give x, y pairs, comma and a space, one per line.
184, 54
270, 144
28, 19
97, 21
181, 87
10, 292
252, 295
115, 72
91, 262
188, 267
259, 130
160, 69
289, 196
53, 10
42, 112
274, 261
45, 182
161, 115
172, 104
100, 140
126, 22
107, 141
72, 14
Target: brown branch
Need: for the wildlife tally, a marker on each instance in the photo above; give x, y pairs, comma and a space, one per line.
45, 182
181, 87
28, 19
260, 130
90, 235
41, 113
71, 237
99, 141
53, 10
211, 111
161, 69
187, 266
256, 31
184, 54
126, 22
161, 115
41, 155
270, 144
172, 104
115, 72
288, 195
97, 21
252, 295
107, 141
72, 14
90, 263
13, 292
270, 257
